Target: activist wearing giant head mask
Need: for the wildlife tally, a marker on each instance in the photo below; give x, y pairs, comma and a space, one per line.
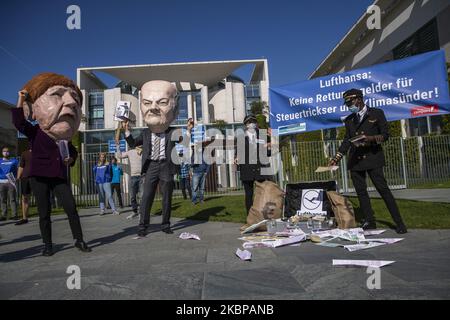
353, 99
55, 102
158, 104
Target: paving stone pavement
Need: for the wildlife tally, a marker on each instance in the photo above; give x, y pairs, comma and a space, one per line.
163, 266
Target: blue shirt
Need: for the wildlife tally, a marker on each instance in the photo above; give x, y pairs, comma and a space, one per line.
102, 174
184, 170
8, 166
116, 173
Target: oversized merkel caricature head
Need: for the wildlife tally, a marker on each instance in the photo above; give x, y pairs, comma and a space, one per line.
56, 104
158, 104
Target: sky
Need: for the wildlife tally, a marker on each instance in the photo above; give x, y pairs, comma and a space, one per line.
295, 36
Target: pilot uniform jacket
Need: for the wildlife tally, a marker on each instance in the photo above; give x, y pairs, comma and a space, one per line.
46, 158
251, 171
145, 140
371, 155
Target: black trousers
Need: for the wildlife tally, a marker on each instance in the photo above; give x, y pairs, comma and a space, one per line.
157, 173
379, 181
115, 187
41, 188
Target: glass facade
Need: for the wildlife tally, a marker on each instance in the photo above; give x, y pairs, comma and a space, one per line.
96, 118
423, 40
182, 108
198, 105
252, 93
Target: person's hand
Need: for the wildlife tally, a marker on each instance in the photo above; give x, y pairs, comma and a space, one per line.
190, 124
269, 131
125, 125
68, 161
236, 161
332, 162
370, 139
23, 95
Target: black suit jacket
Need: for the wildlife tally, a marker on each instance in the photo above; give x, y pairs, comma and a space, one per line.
251, 171
370, 156
145, 140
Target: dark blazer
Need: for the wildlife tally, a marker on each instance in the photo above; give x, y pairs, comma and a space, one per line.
45, 157
251, 171
370, 156
145, 140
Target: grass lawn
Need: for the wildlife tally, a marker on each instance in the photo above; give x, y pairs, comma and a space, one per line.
417, 214
436, 185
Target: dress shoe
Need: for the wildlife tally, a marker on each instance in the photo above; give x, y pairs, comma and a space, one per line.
2, 218
21, 221
82, 246
369, 225
167, 230
48, 250
142, 233
401, 229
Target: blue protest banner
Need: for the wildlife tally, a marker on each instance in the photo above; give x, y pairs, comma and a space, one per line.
113, 148
408, 88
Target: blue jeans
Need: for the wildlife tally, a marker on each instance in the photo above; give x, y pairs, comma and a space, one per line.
104, 192
198, 183
135, 182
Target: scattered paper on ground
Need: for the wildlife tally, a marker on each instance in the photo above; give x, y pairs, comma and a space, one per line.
373, 232
355, 234
273, 243
362, 246
324, 169
385, 240
187, 235
362, 263
244, 254
254, 226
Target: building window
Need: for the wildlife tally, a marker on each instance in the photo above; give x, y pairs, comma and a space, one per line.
198, 105
252, 93
423, 40
96, 110
182, 108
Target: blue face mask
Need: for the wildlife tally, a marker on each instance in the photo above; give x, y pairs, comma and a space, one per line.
353, 109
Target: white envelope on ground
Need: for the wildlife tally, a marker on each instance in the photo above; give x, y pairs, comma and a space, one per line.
362, 263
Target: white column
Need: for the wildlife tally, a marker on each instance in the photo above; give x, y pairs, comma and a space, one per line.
205, 104
191, 112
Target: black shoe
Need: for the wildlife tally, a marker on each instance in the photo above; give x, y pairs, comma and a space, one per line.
142, 233
48, 250
82, 246
2, 218
369, 225
401, 229
167, 230
21, 221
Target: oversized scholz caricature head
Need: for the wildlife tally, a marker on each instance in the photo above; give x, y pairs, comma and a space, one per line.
55, 102
158, 104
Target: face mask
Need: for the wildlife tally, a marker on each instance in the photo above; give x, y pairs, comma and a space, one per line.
353, 109
6, 154
251, 126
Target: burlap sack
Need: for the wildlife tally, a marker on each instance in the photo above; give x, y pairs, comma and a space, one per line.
267, 203
342, 209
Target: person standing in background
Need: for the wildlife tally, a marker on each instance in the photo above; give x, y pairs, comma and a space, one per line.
185, 179
117, 174
135, 164
25, 184
103, 177
8, 172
